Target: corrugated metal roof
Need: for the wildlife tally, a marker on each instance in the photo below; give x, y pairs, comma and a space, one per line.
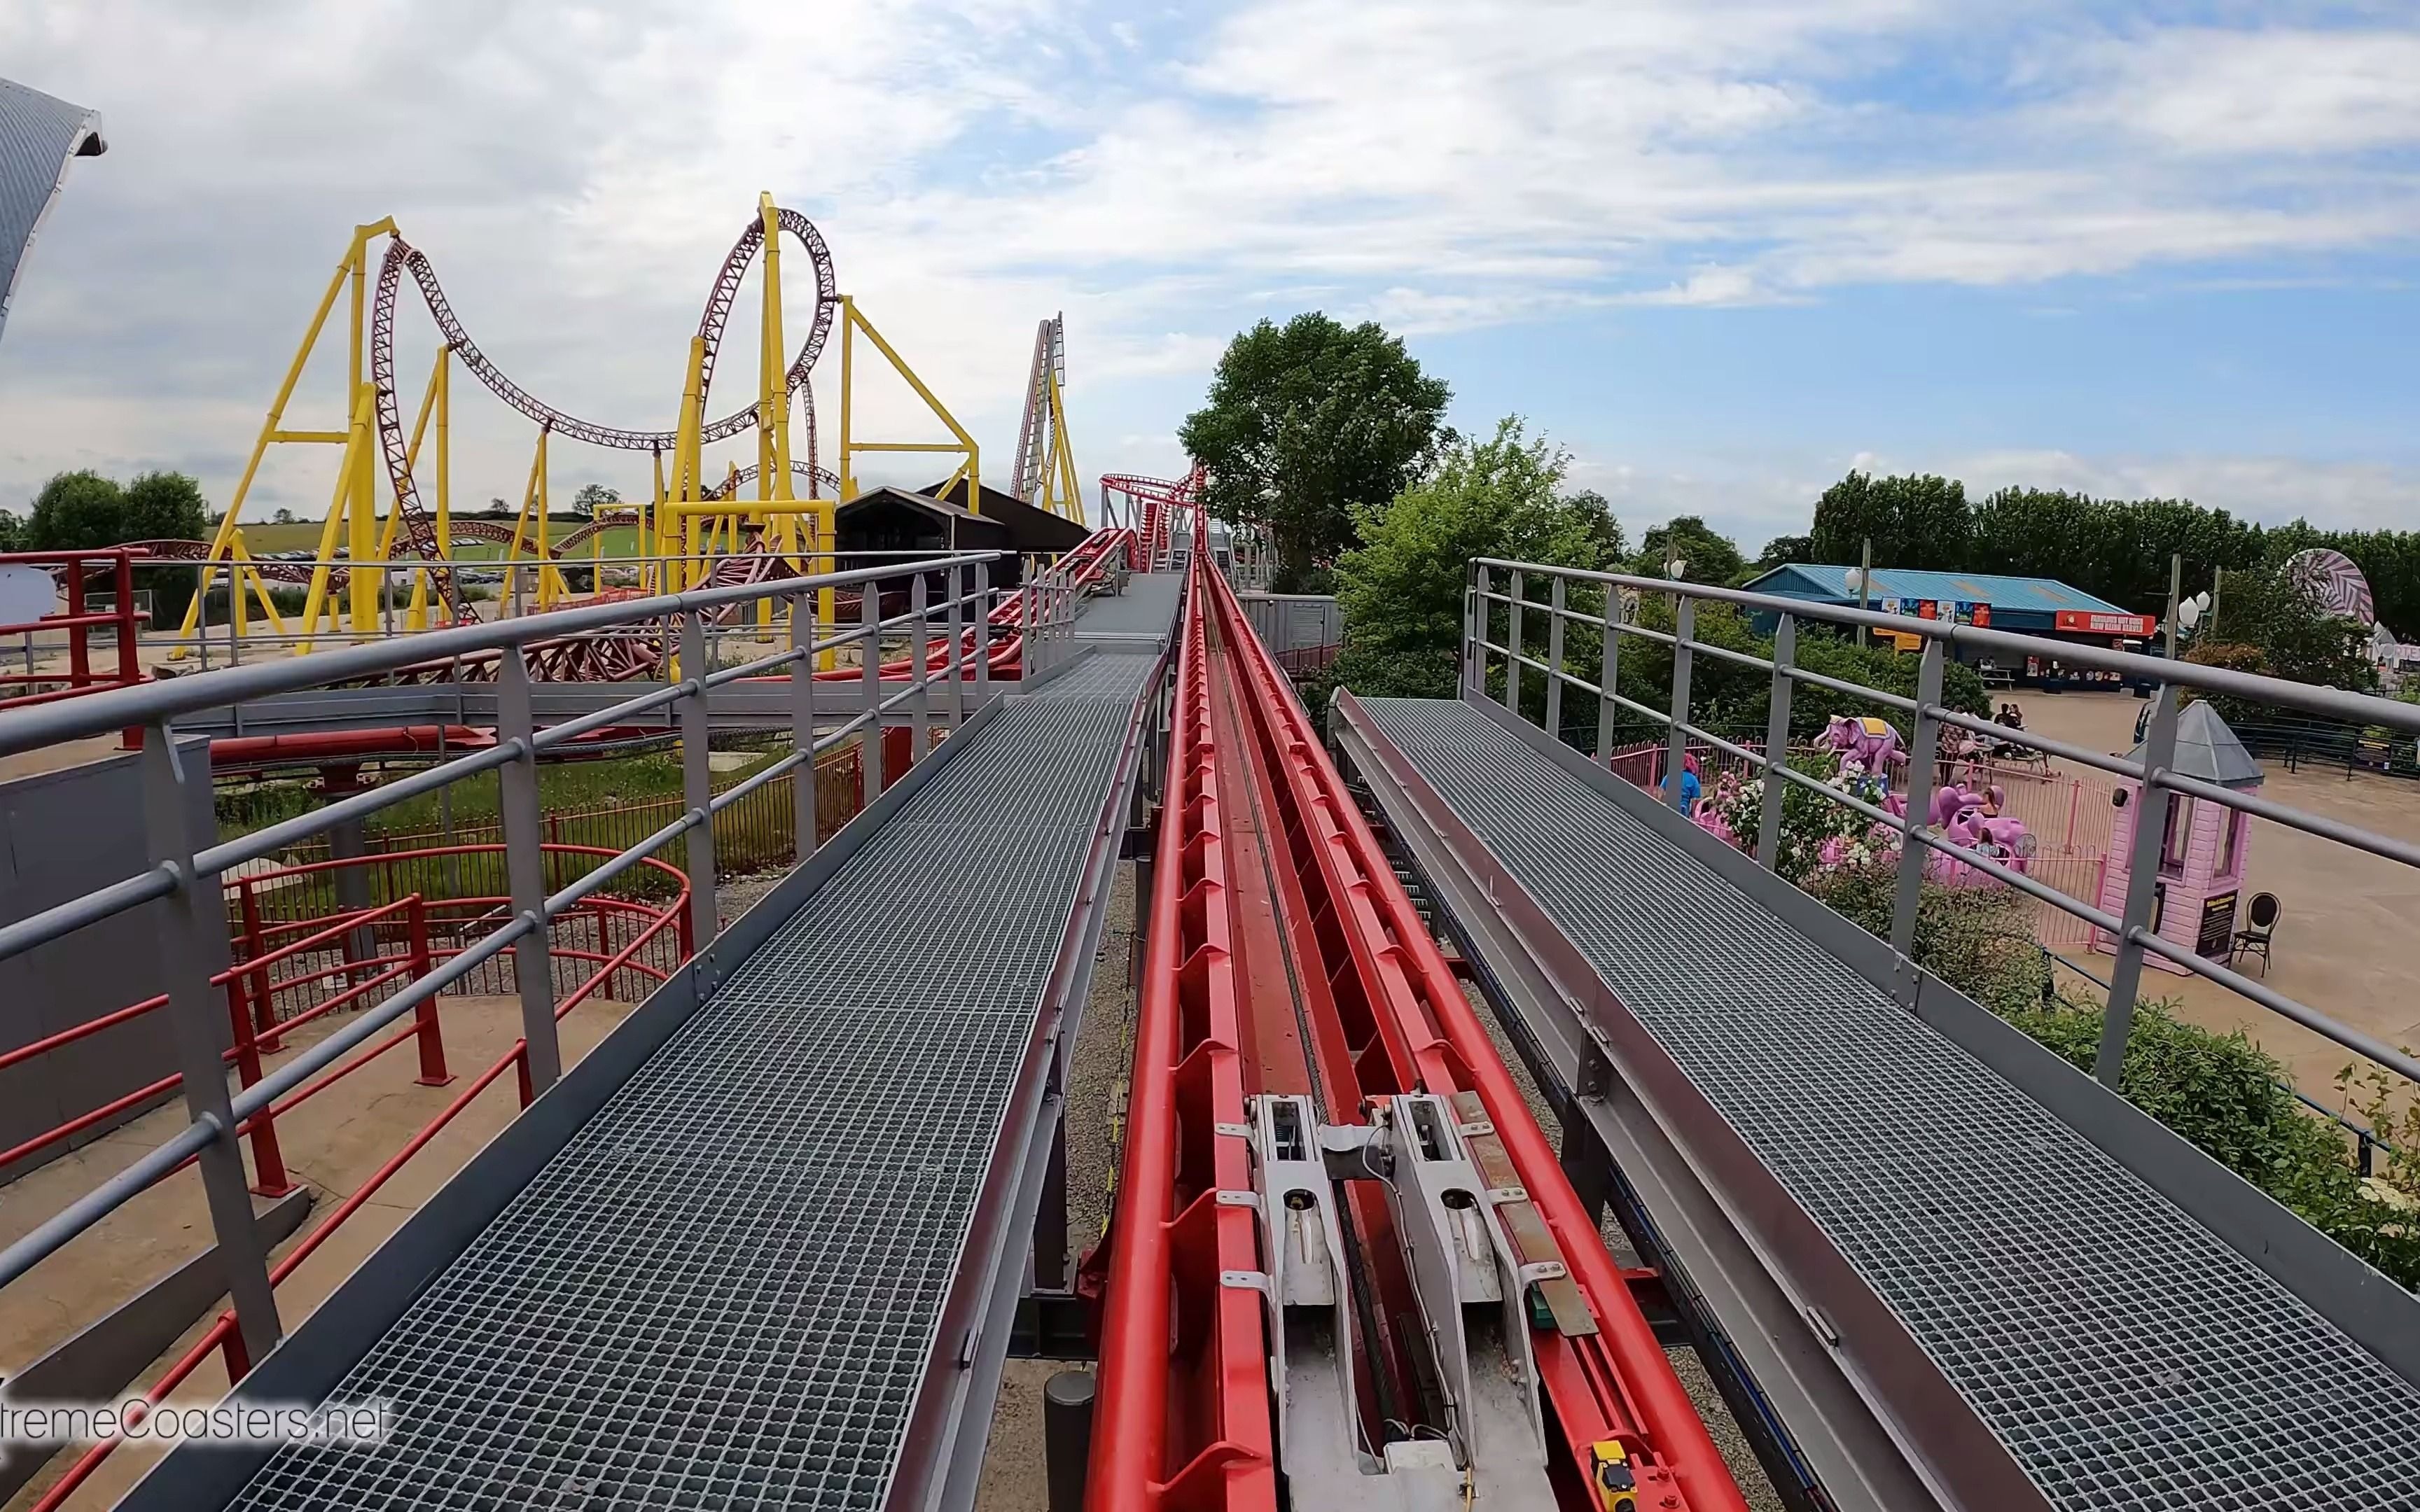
39, 135
2041, 595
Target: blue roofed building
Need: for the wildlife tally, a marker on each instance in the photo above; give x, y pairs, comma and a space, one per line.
2025, 606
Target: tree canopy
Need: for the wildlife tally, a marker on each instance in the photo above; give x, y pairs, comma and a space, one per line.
593, 497
1309, 425
83, 510
2113, 548
1916, 522
1706, 555
1402, 588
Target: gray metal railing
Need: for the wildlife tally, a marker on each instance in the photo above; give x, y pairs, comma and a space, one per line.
184, 879
1482, 657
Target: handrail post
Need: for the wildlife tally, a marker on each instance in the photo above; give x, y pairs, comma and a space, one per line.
2142, 886
129, 666
1555, 658
1776, 744
264, 1008
79, 645
1676, 760
919, 650
1028, 654
1512, 645
869, 649
802, 728
950, 660
1912, 855
422, 961
983, 631
1607, 711
168, 784
268, 1178
525, 871
697, 783
1474, 630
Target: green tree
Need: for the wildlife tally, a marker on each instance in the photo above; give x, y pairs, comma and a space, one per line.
81, 511
2294, 638
1611, 544
283, 517
13, 532
165, 506
1782, 550
76, 512
1402, 588
1310, 426
593, 497
1707, 556
1920, 522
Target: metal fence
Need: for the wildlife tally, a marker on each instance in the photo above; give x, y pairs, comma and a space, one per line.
930, 683
1538, 604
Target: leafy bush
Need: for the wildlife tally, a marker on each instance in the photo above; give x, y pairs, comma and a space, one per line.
2219, 1092
1979, 940
1818, 835
2227, 1096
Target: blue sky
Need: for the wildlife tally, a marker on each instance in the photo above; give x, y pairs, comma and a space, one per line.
1720, 251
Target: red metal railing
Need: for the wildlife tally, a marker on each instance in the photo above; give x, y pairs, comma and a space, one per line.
79, 624
253, 1037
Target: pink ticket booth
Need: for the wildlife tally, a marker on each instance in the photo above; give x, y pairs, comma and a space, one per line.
2202, 849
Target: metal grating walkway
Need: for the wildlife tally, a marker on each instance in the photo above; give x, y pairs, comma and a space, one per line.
723, 1291
1146, 609
2128, 1358
1101, 674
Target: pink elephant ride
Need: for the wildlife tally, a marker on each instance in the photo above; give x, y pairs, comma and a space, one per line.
1972, 820
1872, 743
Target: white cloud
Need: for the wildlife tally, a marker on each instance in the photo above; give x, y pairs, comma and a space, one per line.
2271, 91
576, 169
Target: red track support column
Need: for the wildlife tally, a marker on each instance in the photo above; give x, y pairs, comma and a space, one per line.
268, 1178
432, 1038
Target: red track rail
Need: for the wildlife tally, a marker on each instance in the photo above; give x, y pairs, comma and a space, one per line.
1184, 1414
1401, 1022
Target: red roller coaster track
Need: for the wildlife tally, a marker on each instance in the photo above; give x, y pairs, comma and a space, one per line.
1260, 845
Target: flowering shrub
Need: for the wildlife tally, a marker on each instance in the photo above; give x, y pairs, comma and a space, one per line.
1818, 835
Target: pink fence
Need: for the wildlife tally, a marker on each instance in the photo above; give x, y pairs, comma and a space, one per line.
2069, 816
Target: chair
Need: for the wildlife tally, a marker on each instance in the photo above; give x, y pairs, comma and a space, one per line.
2262, 921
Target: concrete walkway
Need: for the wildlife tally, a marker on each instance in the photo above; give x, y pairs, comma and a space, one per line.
2345, 942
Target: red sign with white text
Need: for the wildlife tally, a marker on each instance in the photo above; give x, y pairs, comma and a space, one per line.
2089, 621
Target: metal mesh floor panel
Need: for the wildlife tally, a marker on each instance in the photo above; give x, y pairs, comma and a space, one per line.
2127, 1357
1146, 608
723, 1291
1116, 675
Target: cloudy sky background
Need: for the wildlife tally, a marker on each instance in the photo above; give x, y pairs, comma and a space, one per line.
1722, 250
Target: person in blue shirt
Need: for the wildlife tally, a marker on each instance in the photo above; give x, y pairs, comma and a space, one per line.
1689, 784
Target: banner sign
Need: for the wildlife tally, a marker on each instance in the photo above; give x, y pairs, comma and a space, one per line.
2092, 622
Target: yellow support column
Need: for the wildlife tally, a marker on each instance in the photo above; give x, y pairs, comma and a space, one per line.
446, 454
